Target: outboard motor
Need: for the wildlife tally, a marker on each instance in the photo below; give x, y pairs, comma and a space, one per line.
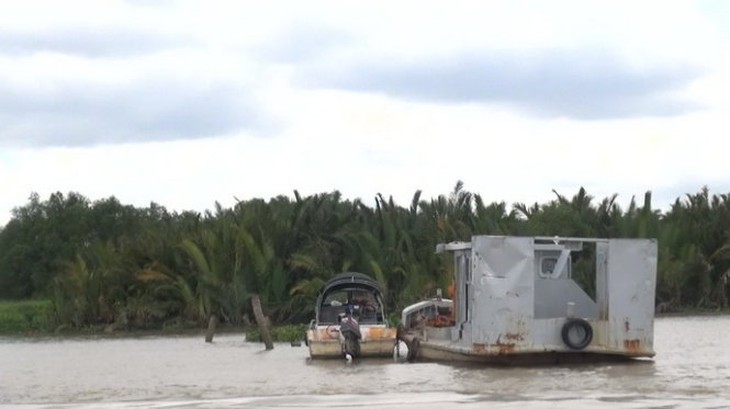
350, 336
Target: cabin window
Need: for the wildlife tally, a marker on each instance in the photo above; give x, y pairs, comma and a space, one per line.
336, 299
547, 267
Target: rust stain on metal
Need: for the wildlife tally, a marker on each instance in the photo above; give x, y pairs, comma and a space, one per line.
331, 332
514, 336
632, 345
479, 347
503, 348
375, 332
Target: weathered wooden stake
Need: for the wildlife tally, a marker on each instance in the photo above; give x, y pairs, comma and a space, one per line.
262, 321
212, 322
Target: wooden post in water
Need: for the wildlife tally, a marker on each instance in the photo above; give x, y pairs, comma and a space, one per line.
212, 322
262, 321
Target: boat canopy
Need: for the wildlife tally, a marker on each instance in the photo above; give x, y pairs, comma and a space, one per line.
353, 280
357, 290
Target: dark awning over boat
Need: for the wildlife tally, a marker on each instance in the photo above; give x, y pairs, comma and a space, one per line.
351, 280
327, 311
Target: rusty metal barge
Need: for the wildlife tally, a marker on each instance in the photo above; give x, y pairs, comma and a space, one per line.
515, 301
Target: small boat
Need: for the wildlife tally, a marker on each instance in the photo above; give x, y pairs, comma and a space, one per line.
515, 301
350, 320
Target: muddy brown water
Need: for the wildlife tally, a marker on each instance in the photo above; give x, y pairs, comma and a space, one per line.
691, 369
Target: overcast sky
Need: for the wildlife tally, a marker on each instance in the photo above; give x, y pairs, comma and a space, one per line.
187, 102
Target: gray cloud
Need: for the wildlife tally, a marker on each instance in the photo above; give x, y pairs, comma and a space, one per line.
153, 110
580, 84
302, 43
84, 41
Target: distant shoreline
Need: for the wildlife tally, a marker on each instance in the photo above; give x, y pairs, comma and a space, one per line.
31, 318
692, 312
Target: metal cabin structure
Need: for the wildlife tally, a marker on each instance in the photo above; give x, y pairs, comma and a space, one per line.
515, 301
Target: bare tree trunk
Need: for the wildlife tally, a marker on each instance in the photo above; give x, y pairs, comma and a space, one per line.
262, 321
212, 322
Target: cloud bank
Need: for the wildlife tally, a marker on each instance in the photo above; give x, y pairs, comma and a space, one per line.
581, 84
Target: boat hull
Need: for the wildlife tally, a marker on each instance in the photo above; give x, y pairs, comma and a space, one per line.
441, 351
324, 342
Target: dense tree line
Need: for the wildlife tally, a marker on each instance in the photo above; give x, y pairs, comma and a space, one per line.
104, 262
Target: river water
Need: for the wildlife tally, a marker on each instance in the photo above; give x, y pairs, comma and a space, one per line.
691, 369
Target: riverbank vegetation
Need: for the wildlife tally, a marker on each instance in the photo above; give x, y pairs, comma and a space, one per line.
111, 265
26, 317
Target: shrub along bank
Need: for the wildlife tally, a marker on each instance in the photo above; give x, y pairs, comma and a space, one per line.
26, 317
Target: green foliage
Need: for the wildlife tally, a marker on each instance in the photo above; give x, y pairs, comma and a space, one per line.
23, 317
104, 263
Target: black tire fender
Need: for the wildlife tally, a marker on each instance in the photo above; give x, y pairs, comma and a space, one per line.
582, 326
